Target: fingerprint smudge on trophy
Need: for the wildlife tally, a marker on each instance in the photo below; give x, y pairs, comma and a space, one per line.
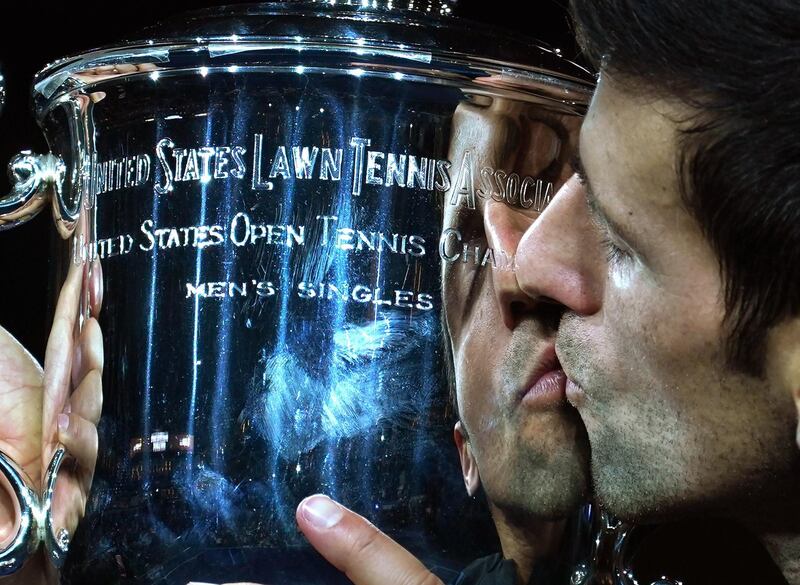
299, 408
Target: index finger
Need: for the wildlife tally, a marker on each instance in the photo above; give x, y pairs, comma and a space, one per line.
58, 354
94, 287
357, 548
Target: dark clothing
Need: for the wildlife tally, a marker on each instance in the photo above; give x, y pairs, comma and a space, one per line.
491, 570
495, 570
692, 553
709, 552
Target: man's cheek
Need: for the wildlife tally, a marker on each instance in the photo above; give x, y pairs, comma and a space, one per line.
639, 324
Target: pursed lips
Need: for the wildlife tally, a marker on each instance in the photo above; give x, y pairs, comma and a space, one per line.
546, 385
574, 391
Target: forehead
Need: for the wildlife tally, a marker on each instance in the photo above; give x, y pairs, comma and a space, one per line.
629, 145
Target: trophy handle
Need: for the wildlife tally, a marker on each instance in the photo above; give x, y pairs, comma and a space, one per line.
35, 178
612, 544
624, 543
55, 545
35, 517
26, 541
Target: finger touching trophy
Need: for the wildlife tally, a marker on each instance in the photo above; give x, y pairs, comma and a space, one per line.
20, 441
72, 405
357, 548
48, 434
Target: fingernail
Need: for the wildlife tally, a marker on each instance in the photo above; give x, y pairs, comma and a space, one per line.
321, 511
63, 422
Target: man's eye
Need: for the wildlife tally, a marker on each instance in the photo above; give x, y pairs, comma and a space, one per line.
614, 254
577, 168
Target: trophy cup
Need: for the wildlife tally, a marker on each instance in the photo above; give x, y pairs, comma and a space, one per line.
266, 188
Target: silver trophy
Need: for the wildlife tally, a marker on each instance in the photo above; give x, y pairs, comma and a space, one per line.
274, 193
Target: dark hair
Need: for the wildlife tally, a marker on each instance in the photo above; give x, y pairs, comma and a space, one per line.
737, 65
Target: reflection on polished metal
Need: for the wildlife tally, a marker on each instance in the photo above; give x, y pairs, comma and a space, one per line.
34, 178
442, 7
35, 516
27, 539
56, 544
625, 544
63, 539
610, 553
265, 187
598, 567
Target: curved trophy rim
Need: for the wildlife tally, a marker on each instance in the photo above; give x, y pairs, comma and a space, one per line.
526, 58
59, 77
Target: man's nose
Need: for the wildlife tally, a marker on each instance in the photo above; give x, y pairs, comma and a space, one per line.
505, 226
559, 257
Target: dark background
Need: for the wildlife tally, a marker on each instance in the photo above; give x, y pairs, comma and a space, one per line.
33, 34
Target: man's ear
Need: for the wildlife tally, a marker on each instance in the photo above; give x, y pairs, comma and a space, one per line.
469, 467
796, 396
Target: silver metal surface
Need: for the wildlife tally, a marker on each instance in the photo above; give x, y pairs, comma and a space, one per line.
624, 535
417, 38
440, 7
56, 543
35, 178
611, 553
27, 538
265, 189
34, 517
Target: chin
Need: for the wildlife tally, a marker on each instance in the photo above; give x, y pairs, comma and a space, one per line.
544, 489
554, 501
643, 496
624, 488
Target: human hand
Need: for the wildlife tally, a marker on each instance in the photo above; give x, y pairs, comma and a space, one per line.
21, 382
356, 547
27, 398
73, 395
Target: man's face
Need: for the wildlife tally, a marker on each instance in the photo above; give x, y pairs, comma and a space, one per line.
528, 443
672, 426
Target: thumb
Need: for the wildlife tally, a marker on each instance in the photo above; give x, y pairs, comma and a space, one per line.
354, 546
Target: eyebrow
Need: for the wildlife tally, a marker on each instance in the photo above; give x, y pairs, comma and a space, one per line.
596, 210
